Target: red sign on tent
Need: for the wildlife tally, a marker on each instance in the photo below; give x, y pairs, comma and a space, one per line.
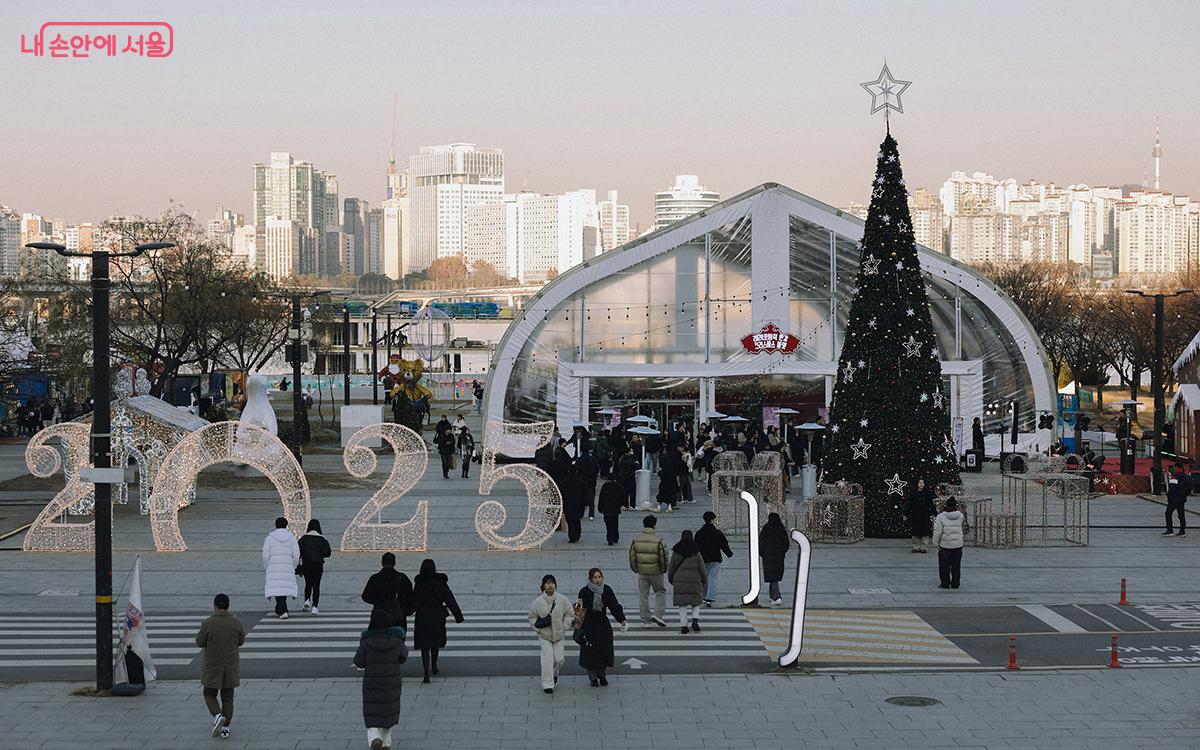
770, 340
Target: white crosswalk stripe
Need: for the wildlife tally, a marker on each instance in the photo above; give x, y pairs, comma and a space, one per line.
33, 640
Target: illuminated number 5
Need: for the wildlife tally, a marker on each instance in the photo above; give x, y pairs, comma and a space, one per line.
545, 502
49, 531
411, 457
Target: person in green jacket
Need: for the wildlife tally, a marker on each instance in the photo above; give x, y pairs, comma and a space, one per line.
221, 635
648, 558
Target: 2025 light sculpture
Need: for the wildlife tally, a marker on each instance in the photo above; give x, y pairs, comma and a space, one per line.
366, 532
50, 531
545, 501
223, 442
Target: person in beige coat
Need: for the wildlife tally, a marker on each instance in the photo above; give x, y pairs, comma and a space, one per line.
221, 635
550, 615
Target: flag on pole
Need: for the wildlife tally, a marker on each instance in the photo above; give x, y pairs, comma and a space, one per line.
133, 629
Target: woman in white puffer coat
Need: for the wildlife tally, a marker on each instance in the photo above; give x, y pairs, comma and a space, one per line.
280, 556
948, 538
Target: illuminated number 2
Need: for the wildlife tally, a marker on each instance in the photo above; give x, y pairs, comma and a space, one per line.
49, 531
545, 502
365, 532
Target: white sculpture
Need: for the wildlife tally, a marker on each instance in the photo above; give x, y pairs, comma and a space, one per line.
258, 411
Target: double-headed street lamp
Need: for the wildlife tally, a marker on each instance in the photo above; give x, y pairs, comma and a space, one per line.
1156, 380
101, 444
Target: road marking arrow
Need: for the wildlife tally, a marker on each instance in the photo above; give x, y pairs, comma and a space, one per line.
634, 663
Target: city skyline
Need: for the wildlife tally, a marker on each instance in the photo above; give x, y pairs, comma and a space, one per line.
573, 124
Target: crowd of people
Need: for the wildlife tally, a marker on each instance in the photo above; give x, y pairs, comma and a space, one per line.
40, 412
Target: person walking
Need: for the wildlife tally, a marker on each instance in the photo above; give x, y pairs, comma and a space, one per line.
977, 436
466, 450
588, 471
627, 466
668, 481
1179, 486
612, 499
712, 542
391, 591
684, 479
921, 510
477, 391
550, 615
446, 448
221, 635
380, 653
595, 636
773, 545
688, 579
314, 548
948, 538
648, 559
574, 503
603, 454
280, 556
433, 601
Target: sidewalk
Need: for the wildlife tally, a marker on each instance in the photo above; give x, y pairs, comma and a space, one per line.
1104, 710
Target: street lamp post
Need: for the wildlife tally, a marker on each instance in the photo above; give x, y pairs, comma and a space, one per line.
374, 358
101, 443
346, 355
1156, 381
297, 396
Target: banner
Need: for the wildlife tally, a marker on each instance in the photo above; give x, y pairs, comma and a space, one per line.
133, 630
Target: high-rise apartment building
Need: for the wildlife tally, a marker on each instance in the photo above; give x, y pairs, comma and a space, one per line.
283, 243
297, 191
1157, 233
354, 223
686, 197
393, 259
445, 182
10, 241
928, 220
491, 236
533, 237
374, 263
614, 222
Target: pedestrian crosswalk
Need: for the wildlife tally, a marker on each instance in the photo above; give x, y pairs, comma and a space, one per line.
856, 636
54, 640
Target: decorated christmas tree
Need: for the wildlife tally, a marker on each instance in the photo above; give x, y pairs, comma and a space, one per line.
889, 421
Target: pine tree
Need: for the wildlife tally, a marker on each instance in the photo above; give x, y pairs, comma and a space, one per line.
889, 421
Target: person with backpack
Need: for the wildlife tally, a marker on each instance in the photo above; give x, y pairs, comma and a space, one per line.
381, 652
948, 538
595, 634
688, 578
314, 548
612, 499
280, 557
550, 616
433, 601
712, 542
391, 591
773, 543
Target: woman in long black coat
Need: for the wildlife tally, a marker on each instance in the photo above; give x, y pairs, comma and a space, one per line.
381, 652
921, 510
773, 543
596, 651
432, 602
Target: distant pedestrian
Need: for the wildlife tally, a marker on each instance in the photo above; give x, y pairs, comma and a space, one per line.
920, 511
668, 481
648, 558
596, 650
550, 615
948, 538
1179, 486
977, 435
603, 453
314, 548
446, 447
612, 499
574, 503
432, 602
280, 556
688, 579
627, 466
477, 391
380, 653
773, 543
466, 450
712, 543
588, 471
391, 591
221, 635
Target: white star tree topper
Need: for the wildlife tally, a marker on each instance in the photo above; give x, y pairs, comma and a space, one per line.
885, 92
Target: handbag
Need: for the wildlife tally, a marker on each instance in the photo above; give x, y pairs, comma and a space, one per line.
577, 633
545, 620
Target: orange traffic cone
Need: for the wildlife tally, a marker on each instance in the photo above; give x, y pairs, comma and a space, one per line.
1113, 662
1012, 652
1124, 600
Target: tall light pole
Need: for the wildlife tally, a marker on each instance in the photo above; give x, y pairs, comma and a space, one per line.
346, 354
1156, 380
101, 443
374, 359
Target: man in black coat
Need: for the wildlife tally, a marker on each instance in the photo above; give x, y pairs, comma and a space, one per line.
712, 543
1178, 488
612, 499
390, 590
446, 447
588, 470
574, 491
627, 468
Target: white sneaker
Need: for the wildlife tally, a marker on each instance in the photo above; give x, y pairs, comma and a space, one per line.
218, 724
776, 602
307, 604
315, 611
283, 616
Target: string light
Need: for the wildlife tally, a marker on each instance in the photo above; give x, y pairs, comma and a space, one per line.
544, 499
411, 457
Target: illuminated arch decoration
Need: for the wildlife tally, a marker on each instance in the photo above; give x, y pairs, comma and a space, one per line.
216, 443
50, 531
366, 532
545, 501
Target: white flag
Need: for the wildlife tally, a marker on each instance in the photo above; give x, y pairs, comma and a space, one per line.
133, 629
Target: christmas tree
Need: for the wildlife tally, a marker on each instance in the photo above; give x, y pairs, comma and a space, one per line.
889, 421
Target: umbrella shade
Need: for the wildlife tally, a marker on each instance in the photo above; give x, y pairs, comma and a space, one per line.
815, 427
640, 418
786, 410
735, 419
644, 431
714, 415
580, 426
609, 411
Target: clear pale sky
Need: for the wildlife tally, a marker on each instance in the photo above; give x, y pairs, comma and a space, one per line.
596, 94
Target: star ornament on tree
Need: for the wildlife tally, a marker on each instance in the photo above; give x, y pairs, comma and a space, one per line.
885, 92
860, 448
895, 485
912, 347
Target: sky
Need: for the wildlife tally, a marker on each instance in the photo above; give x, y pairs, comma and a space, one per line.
595, 94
